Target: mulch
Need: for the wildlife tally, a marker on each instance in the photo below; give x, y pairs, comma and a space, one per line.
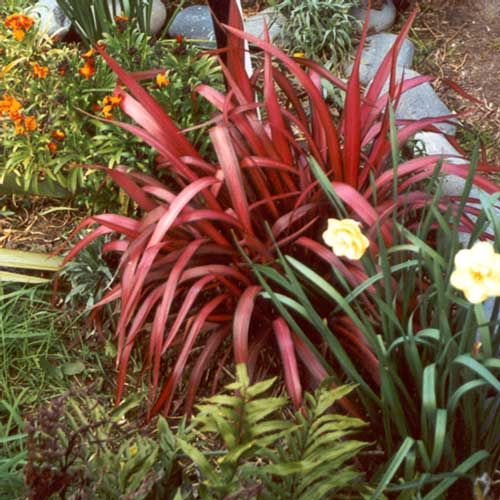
459, 40
34, 223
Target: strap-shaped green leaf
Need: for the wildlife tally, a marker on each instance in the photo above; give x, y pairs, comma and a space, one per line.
464, 467
482, 371
396, 461
29, 260
21, 278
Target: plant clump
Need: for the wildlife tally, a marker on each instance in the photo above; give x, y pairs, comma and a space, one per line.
186, 278
43, 140
318, 29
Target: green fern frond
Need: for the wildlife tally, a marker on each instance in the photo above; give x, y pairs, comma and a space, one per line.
268, 456
319, 451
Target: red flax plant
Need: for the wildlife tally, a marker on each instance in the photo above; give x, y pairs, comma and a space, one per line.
186, 291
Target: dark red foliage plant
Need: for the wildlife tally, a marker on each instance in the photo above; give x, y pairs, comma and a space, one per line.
186, 292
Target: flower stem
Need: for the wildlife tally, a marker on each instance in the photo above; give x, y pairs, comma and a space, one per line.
484, 331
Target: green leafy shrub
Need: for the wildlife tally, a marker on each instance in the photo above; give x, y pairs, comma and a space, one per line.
321, 29
88, 276
44, 139
432, 403
267, 456
243, 442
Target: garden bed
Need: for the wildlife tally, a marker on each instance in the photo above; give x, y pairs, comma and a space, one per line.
289, 240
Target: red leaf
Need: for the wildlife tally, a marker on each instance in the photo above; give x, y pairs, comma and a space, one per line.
149, 104
163, 310
241, 323
287, 351
180, 202
165, 399
316, 98
352, 118
193, 292
318, 372
232, 174
206, 357
382, 74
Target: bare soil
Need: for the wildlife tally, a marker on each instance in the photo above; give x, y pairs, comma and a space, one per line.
34, 224
459, 40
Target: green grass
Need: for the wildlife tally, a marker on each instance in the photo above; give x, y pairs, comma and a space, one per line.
41, 356
469, 137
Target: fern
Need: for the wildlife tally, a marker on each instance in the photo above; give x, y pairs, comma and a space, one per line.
267, 457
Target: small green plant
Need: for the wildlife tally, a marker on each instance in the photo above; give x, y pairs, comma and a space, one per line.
88, 276
93, 18
267, 455
318, 28
77, 445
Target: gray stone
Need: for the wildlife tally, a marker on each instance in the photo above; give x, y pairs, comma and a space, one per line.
158, 14
421, 102
50, 17
254, 25
376, 48
380, 20
437, 144
158, 17
193, 22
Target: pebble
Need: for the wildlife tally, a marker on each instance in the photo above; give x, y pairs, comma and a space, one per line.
380, 20
254, 25
376, 48
50, 18
194, 23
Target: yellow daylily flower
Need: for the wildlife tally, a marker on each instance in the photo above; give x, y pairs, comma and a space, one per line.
477, 272
345, 238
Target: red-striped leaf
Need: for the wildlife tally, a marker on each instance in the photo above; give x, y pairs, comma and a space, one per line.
241, 323
287, 351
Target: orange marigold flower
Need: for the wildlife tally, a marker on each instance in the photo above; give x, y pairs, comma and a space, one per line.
107, 111
109, 102
19, 129
88, 69
40, 71
10, 105
30, 123
18, 34
87, 55
121, 23
58, 135
112, 100
162, 80
52, 146
19, 24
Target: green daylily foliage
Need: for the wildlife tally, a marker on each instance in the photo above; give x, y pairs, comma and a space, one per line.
433, 406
